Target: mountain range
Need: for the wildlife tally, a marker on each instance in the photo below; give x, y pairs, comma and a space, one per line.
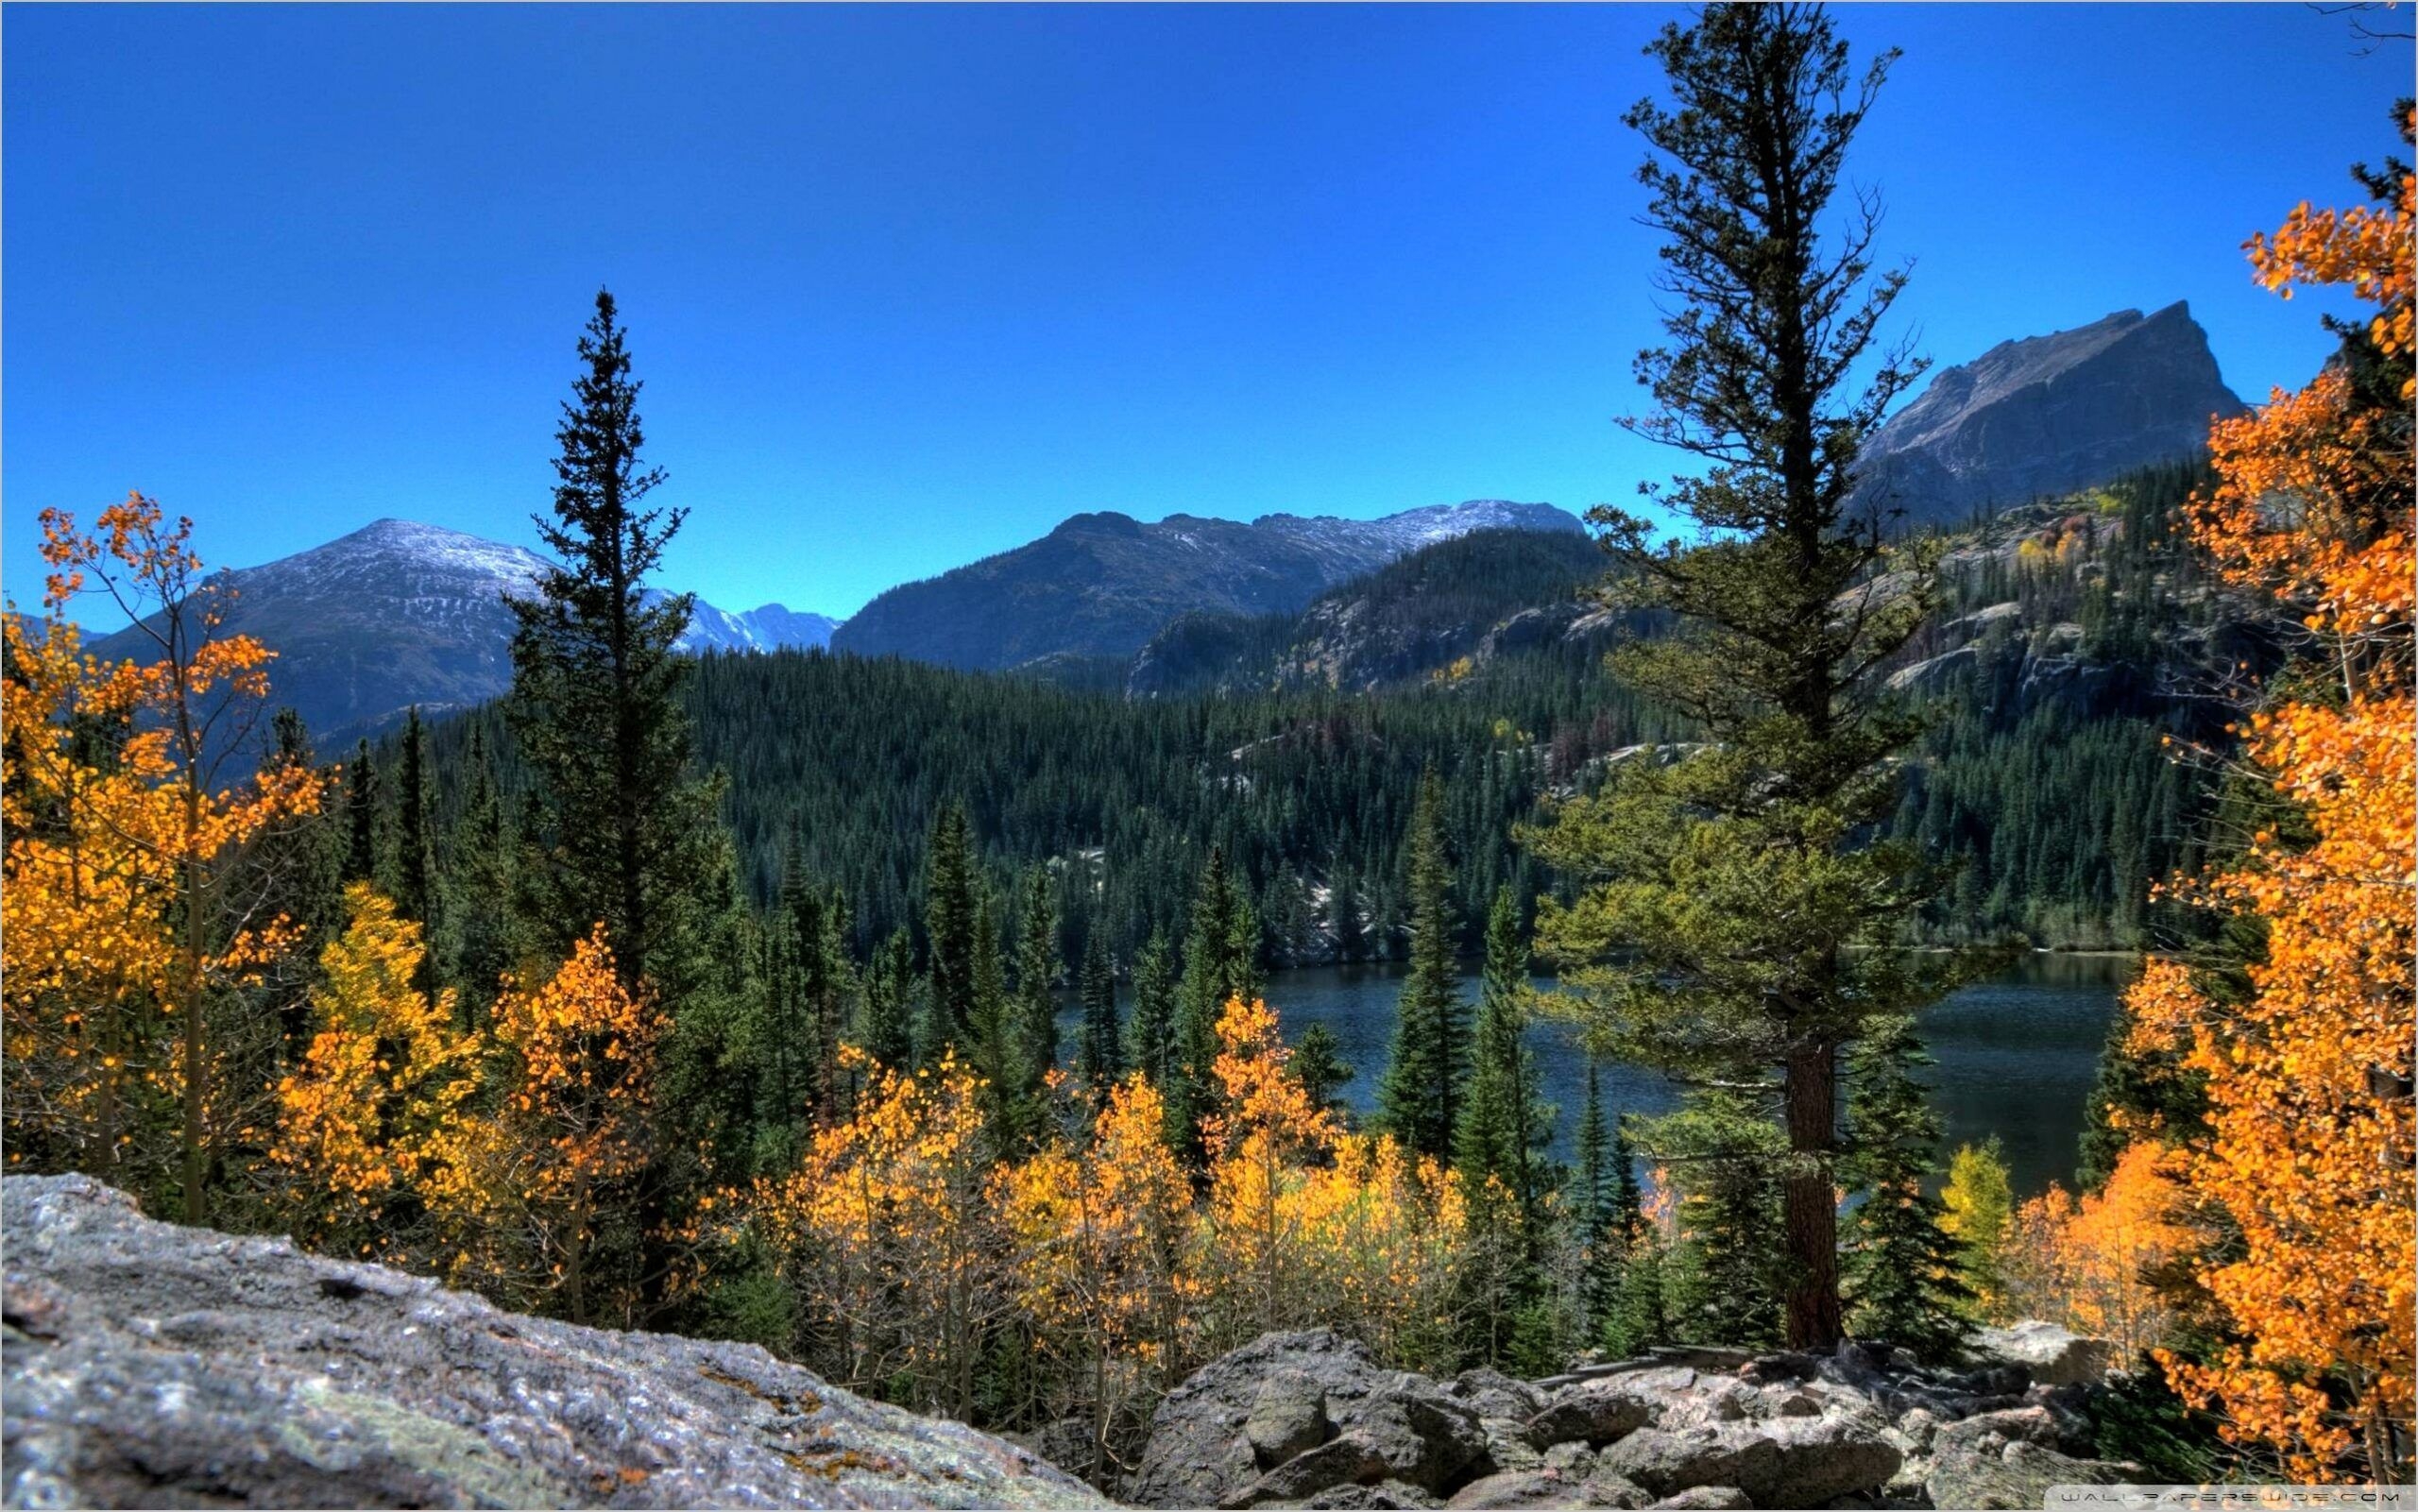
1103, 584
399, 614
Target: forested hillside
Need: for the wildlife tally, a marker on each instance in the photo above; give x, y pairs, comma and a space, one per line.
2078, 638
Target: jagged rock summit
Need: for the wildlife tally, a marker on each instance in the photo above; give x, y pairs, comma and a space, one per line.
1101, 585
148, 1365
2048, 415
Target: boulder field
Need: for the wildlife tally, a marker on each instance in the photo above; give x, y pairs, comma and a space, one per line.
1312, 1419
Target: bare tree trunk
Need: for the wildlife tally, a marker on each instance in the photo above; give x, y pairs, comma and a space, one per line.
1810, 1217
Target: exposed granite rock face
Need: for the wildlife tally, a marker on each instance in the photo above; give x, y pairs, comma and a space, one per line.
148, 1365
2047, 414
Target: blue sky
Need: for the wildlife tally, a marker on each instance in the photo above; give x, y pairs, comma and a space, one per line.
908, 285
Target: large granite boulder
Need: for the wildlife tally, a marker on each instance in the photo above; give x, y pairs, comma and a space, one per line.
148, 1365
2050, 1355
1217, 1440
2010, 1458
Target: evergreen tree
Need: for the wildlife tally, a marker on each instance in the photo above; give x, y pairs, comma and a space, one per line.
415, 879
1722, 1277
1505, 1126
885, 1028
2135, 1091
1419, 1099
948, 923
993, 1042
1725, 896
596, 697
1036, 999
365, 822
1101, 1054
482, 878
1212, 974
628, 834
1151, 1035
1318, 1065
1904, 1274
1591, 1190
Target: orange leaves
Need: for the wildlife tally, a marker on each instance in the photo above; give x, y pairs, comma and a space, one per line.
115, 837
2308, 1147
528, 1193
2089, 1265
363, 1117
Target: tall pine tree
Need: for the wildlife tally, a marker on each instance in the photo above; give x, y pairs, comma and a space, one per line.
1734, 920
1420, 1098
1151, 1032
596, 694
949, 925
1102, 1053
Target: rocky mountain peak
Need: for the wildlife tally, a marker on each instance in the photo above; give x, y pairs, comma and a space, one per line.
2048, 414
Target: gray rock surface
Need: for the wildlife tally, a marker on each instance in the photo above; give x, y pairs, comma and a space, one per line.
1388, 1425
148, 1365
2047, 414
2051, 1355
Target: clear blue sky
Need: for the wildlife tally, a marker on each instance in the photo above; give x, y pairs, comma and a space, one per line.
908, 285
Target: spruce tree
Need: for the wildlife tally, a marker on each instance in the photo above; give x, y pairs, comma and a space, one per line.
415, 880
1904, 1273
1736, 920
885, 1027
481, 879
1505, 1127
1318, 1065
365, 818
596, 696
1419, 1099
1102, 1053
948, 923
993, 1042
1212, 974
295, 869
1723, 1275
1036, 999
1151, 1034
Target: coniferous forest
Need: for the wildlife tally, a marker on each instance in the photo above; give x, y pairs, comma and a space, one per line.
729, 995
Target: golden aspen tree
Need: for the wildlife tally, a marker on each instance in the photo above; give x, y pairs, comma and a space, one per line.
884, 1232
2091, 1266
2308, 1145
119, 931
1095, 1238
362, 1119
1266, 1131
537, 1197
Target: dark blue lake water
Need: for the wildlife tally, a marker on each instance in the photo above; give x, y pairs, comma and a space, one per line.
2016, 1054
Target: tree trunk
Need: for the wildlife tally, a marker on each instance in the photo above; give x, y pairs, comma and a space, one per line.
1809, 1207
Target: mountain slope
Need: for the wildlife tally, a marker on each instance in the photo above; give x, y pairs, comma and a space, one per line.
2048, 414
1398, 624
398, 614
1103, 584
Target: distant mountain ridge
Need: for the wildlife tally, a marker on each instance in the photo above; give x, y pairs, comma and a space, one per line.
2045, 415
399, 613
1103, 585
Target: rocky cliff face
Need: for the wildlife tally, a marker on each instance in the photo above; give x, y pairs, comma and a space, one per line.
148, 1365
2047, 414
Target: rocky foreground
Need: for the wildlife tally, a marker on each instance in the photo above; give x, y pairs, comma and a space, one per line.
1311, 1419
148, 1365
